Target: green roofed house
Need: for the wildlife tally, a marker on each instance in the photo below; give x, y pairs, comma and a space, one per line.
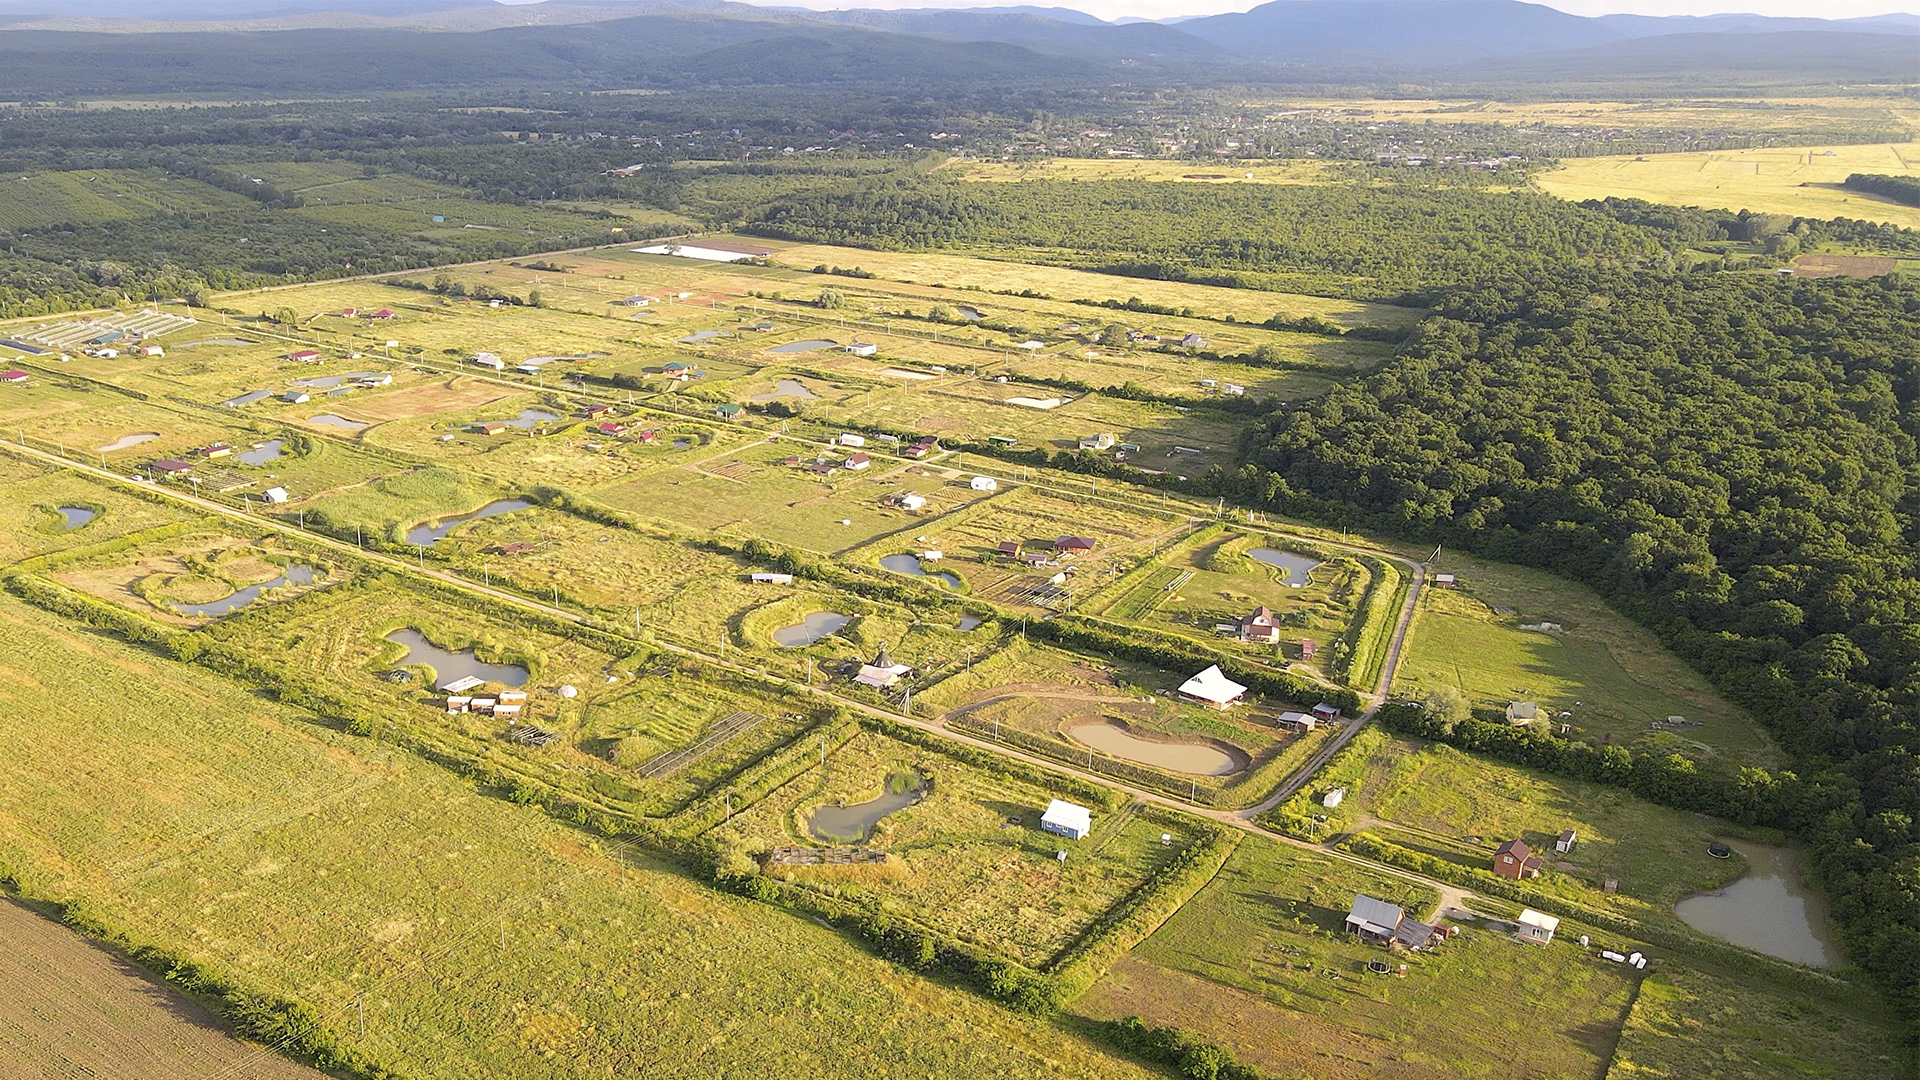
728, 412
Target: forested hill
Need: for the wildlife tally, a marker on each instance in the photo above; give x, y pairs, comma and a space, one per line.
1732, 459
1375, 241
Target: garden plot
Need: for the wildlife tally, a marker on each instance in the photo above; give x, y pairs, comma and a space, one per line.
958, 860
616, 570
47, 511
390, 506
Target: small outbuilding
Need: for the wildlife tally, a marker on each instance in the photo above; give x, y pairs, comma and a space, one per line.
1522, 712
1445, 581
1565, 843
772, 579
170, 467
1298, 720
984, 483
1213, 689
862, 348
728, 412
274, 495
1067, 819
1386, 924
1536, 927
1327, 711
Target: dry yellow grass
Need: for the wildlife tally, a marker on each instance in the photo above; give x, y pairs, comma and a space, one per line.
1190, 172
1801, 180
1698, 114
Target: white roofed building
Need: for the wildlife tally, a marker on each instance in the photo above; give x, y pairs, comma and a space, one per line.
1213, 689
1066, 819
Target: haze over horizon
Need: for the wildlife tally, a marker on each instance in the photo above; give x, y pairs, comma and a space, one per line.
1165, 9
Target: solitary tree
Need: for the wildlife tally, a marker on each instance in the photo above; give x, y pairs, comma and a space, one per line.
1448, 706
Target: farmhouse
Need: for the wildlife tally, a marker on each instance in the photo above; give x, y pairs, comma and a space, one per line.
857, 461
1073, 545
275, 495
1260, 626
1308, 647
216, 450
1212, 689
304, 356
728, 412
708, 251
927, 445
490, 428
984, 483
1299, 720
648, 437
861, 348
1535, 927
383, 314
675, 367
883, 672
152, 350
170, 467
1009, 549
608, 427
1516, 861
1102, 441
1522, 712
1386, 924
904, 500
595, 412
490, 361
1066, 819
1194, 341
822, 468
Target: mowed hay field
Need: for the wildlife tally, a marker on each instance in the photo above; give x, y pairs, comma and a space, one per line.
137, 1028
237, 833
1802, 180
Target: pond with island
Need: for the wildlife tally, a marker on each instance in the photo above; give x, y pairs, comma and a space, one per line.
1769, 910
815, 627
262, 452
297, 574
1189, 758
432, 532
448, 666
1297, 567
854, 824
911, 566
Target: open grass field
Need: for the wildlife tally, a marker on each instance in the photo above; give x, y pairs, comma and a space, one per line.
1458, 807
1261, 172
1288, 990
90, 195
31, 522
957, 860
1732, 115
1803, 180
1688, 1023
1612, 675
136, 1028
484, 939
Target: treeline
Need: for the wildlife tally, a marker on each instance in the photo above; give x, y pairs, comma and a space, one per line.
1731, 460
1904, 190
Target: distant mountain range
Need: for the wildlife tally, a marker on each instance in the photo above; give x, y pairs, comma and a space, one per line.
602, 42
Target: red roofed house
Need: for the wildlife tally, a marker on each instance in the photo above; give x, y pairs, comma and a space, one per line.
595, 412
857, 461
170, 466
304, 356
648, 437
1261, 626
1010, 549
610, 428
14, 376
1516, 861
1073, 545
1308, 647
383, 313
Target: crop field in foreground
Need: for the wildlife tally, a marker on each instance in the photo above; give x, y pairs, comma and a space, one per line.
485, 940
58, 983
1803, 180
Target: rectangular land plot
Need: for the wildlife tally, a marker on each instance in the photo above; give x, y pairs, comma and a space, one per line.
957, 860
49, 510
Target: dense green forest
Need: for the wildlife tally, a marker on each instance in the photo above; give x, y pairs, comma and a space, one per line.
1731, 459
1904, 190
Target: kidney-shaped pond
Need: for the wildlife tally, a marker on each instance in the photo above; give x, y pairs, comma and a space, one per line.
1768, 911
76, 516
815, 626
1296, 566
294, 575
448, 666
853, 824
432, 532
910, 565
1188, 758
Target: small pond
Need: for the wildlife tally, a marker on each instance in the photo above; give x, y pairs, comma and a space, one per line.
126, 442
528, 419
215, 341
294, 575
792, 388
804, 346
332, 420
699, 335
1768, 911
76, 516
970, 313
448, 666
818, 625
853, 824
910, 565
322, 382
432, 532
682, 443
970, 622
247, 399
261, 453
1296, 566
1189, 758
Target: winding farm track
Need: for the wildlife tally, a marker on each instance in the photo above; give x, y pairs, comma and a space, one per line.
1245, 820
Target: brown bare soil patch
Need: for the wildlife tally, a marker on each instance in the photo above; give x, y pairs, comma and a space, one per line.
72, 1009
1853, 266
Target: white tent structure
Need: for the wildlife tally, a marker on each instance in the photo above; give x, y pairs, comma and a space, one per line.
883, 672
1066, 819
1213, 689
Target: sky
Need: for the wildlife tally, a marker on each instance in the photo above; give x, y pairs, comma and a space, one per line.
1160, 9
